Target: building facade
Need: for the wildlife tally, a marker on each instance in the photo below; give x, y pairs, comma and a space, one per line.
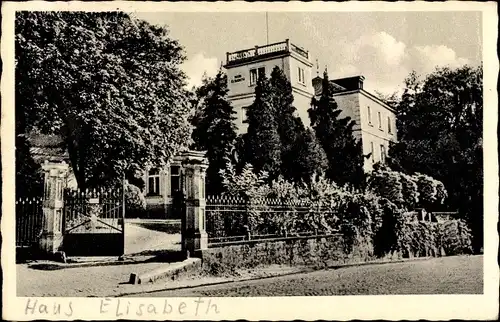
162, 184
244, 67
375, 120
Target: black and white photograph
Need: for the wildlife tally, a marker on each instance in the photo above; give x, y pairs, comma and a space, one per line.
171, 162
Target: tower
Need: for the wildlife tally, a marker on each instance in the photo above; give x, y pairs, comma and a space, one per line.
245, 66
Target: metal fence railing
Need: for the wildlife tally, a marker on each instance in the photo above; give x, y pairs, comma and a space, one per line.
29, 221
230, 219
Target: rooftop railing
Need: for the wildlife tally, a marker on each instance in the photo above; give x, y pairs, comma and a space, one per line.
279, 47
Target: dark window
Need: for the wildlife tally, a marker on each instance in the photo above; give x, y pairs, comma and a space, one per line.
154, 182
175, 178
302, 76
257, 74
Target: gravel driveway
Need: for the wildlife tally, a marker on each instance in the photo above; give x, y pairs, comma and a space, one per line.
139, 239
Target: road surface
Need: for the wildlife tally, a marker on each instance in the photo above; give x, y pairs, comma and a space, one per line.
449, 275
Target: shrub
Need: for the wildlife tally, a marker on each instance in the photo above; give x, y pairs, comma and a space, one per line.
454, 237
135, 203
426, 189
409, 191
387, 184
356, 226
387, 237
245, 184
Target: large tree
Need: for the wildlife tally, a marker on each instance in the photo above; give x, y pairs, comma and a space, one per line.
289, 126
107, 83
215, 130
309, 157
439, 121
262, 141
335, 133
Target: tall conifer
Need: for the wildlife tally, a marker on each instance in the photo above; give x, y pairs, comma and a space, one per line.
335, 133
262, 141
289, 126
215, 130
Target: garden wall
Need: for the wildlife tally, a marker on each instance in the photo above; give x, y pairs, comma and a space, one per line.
316, 251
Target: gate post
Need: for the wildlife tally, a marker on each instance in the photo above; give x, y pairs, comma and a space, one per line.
194, 236
53, 203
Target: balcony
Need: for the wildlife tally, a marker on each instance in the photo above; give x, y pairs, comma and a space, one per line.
258, 52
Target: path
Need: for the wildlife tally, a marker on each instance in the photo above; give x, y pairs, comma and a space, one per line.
139, 239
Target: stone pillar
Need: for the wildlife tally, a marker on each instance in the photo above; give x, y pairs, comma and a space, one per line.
53, 203
194, 236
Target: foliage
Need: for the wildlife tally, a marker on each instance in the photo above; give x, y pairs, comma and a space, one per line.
246, 183
407, 191
29, 179
309, 156
107, 83
387, 184
290, 127
370, 223
455, 237
426, 189
134, 199
262, 141
439, 121
388, 234
389, 99
356, 225
215, 129
343, 151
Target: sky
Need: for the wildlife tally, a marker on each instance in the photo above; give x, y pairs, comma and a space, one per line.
384, 47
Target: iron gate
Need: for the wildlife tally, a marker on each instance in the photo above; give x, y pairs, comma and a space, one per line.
94, 223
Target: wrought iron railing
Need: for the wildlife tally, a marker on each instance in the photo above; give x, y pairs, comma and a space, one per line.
29, 221
230, 219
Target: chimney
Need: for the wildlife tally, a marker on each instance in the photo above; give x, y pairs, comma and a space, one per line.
361, 79
350, 83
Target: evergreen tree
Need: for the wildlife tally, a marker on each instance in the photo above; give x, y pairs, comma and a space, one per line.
335, 134
215, 130
262, 141
290, 127
309, 156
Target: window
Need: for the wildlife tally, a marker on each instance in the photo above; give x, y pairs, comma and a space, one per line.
154, 182
382, 153
302, 76
253, 76
175, 179
372, 149
257, 74
370, 116
379, 120
389, 127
